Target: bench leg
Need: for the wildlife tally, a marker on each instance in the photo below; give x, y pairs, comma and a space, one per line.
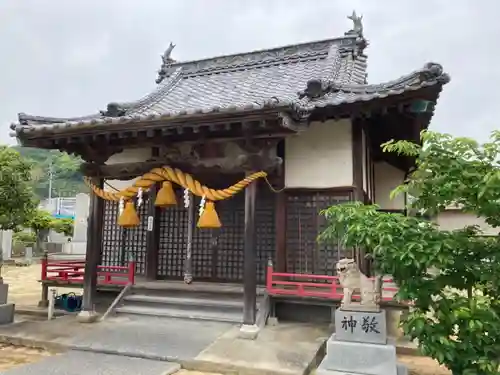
44, 301
272, 320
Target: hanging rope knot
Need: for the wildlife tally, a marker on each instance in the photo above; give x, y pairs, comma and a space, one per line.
166, 195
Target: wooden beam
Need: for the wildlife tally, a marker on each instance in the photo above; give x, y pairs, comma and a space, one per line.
153, 230
357, 165
93, 253
152, 235
289, 123
128, 170
280, 225
372, 107
158, 131
249, 258
188, 263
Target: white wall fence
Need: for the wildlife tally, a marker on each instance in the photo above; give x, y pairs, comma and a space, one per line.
77, 207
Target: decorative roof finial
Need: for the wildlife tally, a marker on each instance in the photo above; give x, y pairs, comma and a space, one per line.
166, 56
166, 63
357, 24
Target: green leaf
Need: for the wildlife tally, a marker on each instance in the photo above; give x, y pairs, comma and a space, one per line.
451, 276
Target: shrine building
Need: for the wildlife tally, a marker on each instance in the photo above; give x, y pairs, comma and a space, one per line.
301, 120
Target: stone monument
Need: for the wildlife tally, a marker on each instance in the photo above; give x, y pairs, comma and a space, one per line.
360, 345
6, 244
6, 309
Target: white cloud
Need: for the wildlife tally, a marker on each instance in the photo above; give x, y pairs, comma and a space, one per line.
88, 53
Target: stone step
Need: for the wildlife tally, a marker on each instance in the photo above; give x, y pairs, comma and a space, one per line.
176, 313
195, 291
184, 303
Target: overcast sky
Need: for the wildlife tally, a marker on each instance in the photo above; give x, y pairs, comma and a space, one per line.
70, 58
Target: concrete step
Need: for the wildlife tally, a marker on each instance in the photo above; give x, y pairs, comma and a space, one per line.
195, 291
184, 303
176, 313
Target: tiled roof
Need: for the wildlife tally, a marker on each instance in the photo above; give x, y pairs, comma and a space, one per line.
332, 93
254, 80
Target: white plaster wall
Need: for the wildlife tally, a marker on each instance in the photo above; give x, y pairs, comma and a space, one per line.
132, 155
387, 178
320, 157
455, 219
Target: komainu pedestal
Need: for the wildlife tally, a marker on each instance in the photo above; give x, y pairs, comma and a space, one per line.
7, 312
360, 346
4, 292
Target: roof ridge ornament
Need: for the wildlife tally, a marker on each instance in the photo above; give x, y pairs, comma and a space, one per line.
317, 88
434, 71
167, 62
114, 110
357, 24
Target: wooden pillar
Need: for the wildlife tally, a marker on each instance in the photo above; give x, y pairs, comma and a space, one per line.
249, 260
152, 235
93, 254
357, 159
188, 263
280, 227
357, 166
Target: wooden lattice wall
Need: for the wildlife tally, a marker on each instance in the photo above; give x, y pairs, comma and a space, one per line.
119, 243
217, 255
303, 225
173, 236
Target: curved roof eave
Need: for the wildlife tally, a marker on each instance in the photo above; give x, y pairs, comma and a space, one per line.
329, 94
316, 95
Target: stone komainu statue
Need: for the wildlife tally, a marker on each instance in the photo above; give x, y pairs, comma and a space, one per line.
353, 280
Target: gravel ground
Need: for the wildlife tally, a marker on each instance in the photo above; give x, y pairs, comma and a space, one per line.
423, 365
24, 288
13, 356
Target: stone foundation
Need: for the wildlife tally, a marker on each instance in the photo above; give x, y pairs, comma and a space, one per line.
360, 346
7, 313
4, 291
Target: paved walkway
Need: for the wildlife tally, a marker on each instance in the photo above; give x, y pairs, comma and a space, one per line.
152, 338
207, 346
84, 363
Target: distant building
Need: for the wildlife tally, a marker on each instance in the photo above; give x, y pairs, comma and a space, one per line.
454, 218
60, 207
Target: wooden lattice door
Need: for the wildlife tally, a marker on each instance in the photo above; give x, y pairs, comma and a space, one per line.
173, 239
217, 254
303, 225
119, 244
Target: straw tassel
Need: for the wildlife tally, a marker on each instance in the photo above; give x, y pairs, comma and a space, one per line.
166, 195
129, 217
209, 217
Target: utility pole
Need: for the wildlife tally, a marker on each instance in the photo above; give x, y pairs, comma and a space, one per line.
51, 175
50, 181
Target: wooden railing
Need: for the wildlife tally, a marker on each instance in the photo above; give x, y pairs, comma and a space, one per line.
71, 272
320, 286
